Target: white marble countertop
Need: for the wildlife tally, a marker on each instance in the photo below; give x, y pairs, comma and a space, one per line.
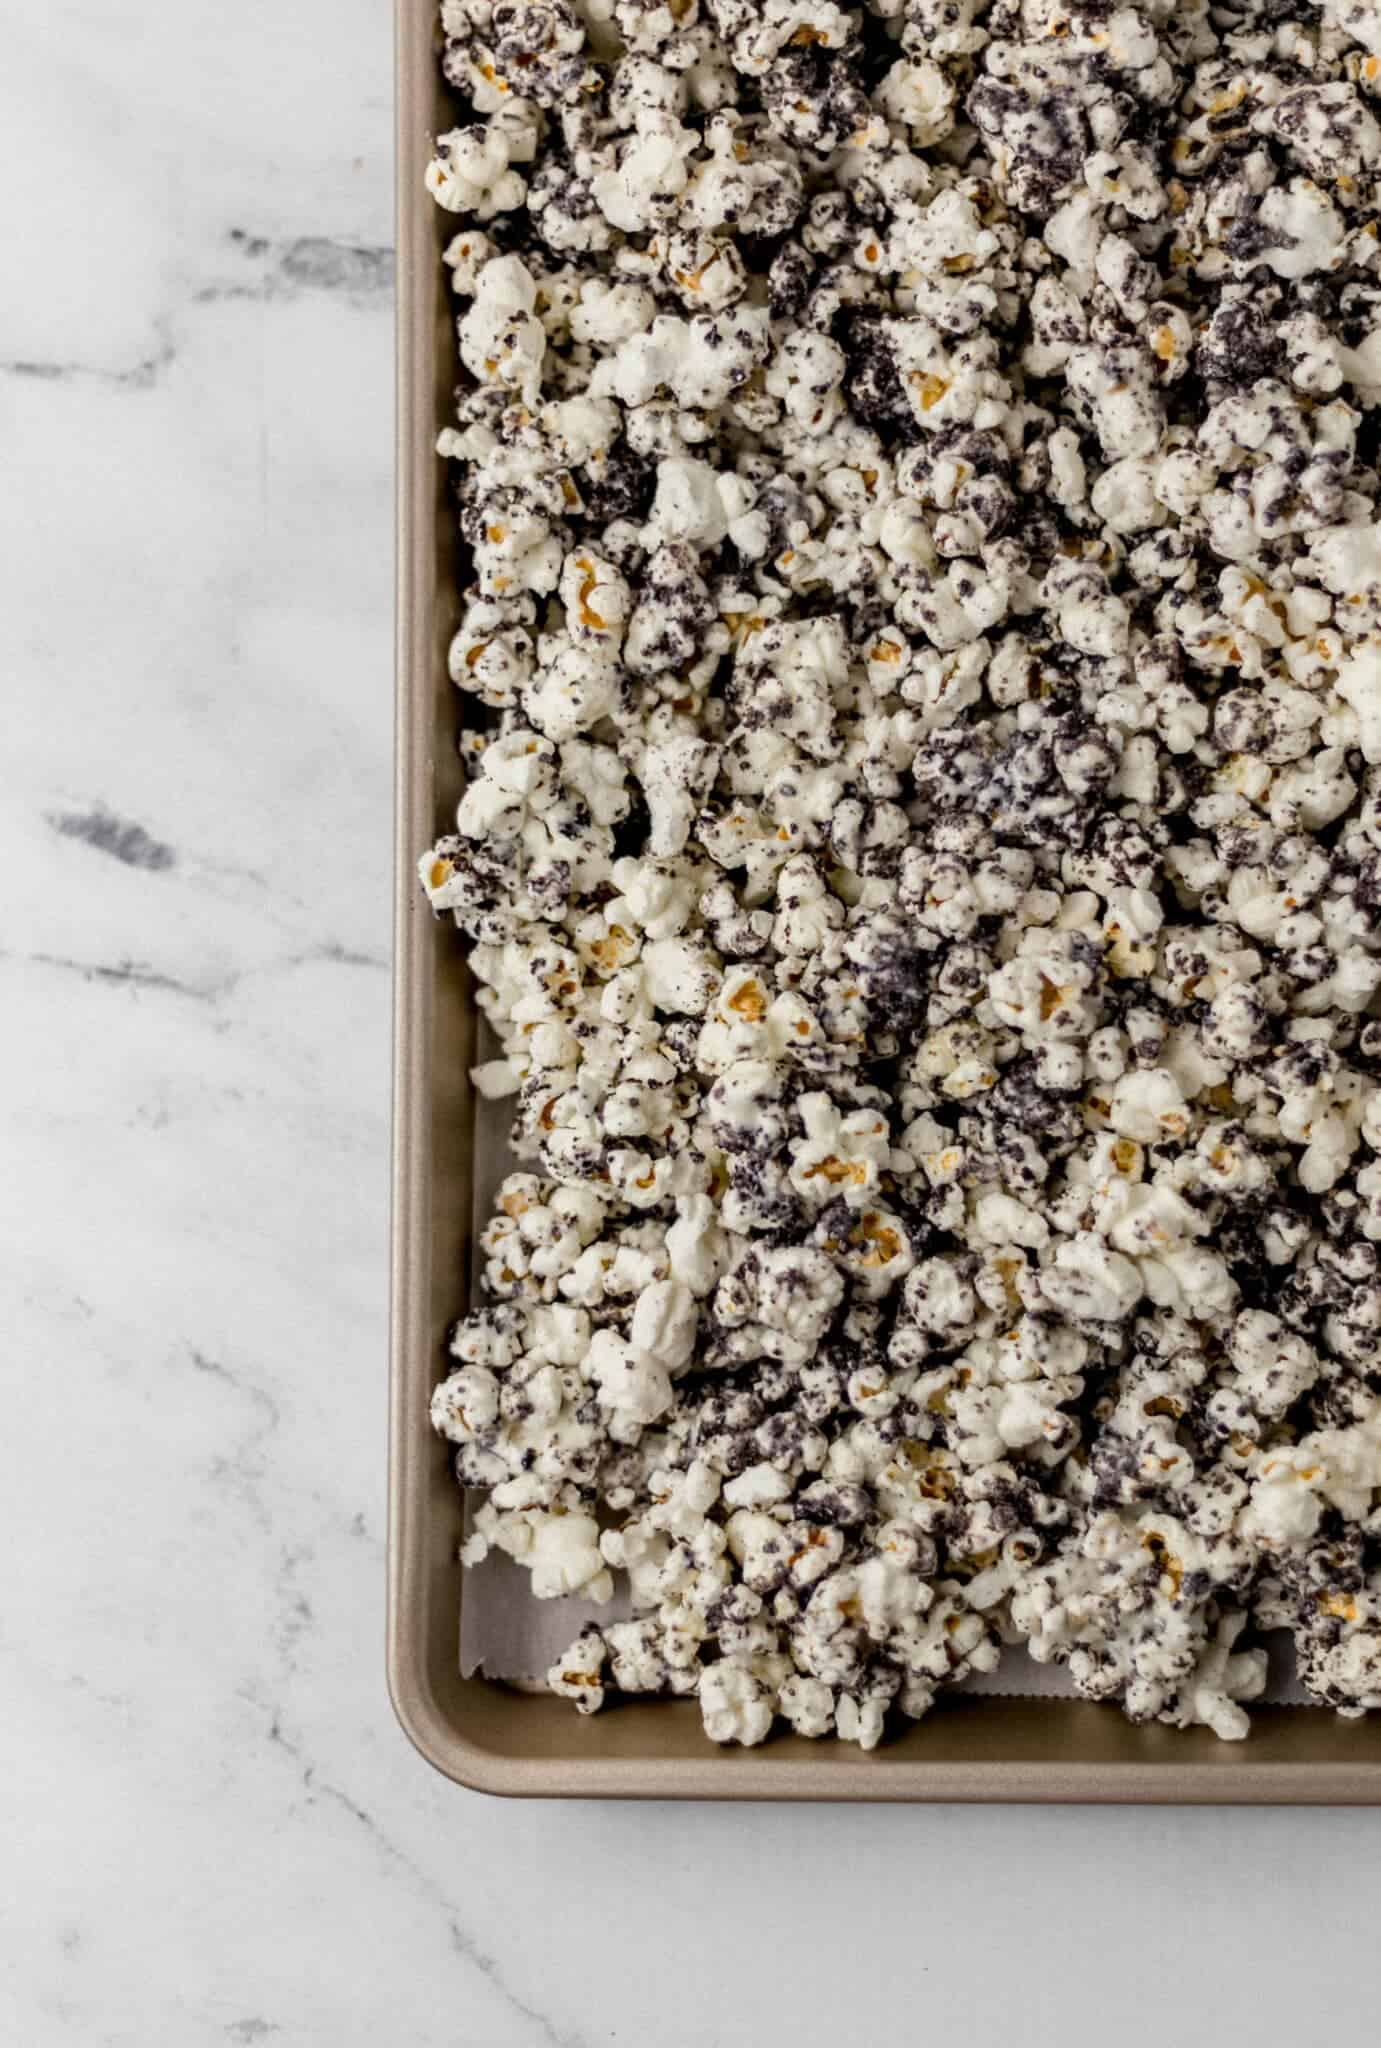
215, 1833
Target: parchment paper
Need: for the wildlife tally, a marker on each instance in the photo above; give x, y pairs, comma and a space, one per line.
508, 1635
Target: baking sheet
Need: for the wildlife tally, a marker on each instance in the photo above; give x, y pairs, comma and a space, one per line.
500, 1738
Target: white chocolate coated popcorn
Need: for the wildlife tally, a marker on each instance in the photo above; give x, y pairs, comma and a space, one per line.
921, 849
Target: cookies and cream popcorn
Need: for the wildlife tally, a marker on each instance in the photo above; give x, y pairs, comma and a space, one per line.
920, 852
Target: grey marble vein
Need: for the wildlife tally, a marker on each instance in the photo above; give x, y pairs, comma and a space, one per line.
307, 263
121, 838
548, 2030
141, 375
332, 953
242, 1467
354, 271
135, 975
140, 977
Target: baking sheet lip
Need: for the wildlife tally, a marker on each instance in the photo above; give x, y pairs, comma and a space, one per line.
430, 1732
735, 1777
437, 1735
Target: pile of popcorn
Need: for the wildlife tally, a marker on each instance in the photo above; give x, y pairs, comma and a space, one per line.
917, 465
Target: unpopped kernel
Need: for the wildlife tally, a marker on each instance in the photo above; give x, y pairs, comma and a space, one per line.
921, 856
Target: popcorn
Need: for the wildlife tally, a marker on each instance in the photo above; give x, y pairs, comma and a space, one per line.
501, 340
650, 176
694, 503
735, 1706
838, 1157
471, 173
563, 1557
576, 1675
1149, 1107
921, 844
